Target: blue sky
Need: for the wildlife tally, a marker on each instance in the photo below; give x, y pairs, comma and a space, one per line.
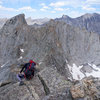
48, 8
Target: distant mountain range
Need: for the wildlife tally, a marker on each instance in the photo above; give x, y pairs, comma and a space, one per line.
41, 21
90, 22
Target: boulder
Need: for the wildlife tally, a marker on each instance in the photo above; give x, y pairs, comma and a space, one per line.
86, 88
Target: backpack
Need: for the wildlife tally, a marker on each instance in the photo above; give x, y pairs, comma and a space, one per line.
29, 70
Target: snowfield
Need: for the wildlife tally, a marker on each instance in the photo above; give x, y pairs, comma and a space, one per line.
77, 74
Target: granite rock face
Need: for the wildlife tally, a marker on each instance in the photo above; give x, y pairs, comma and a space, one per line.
2, 22
56, 46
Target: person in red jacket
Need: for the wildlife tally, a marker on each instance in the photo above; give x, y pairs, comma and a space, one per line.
28, 71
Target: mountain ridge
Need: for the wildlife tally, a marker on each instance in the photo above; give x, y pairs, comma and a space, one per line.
64, 53
90, 22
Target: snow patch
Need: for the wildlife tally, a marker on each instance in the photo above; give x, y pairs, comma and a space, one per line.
94, 73
75, 72
4, 64
94, 66
20, 58
78, 75
22, 50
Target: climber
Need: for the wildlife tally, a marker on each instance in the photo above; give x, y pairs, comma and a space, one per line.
28, 71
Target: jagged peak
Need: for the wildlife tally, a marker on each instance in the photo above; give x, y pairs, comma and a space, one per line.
16, 20
65, 16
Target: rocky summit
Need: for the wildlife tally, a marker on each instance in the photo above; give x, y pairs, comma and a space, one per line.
68, 58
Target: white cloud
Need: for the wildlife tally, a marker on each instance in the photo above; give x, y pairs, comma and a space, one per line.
93, 1
28, 8
58, 4
88, 8
46, 7
43, 9
0, 2
17, 10
7, 9
75, 3
72, 3
53, 11
42, 4
61, 9
16, 2
66, 9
